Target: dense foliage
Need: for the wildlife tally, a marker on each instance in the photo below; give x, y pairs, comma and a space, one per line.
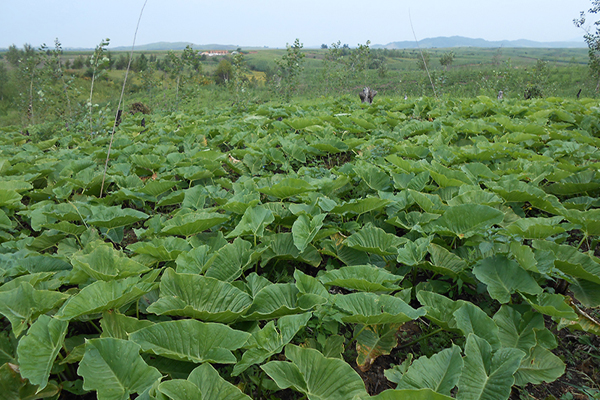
268, 252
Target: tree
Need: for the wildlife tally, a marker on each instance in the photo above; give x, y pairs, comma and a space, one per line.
223, 72
592, 38
423, 60
289, 69
447, 59
99, 63
324, 46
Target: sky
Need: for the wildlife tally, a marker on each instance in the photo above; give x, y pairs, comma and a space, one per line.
84, 23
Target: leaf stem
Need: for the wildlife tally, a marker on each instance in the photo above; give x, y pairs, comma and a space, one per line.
435, 332
356, 335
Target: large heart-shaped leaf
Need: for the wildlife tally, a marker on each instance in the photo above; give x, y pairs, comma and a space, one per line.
200, 297
115, 369
100, 261
374, 240
487, 375
368, 278
466, 220
270, 340
504, 277
114, 217
372, 309
192, 223
439, 373
305, 229
314, 375
191, 340
23, 304
39, 348
101, 296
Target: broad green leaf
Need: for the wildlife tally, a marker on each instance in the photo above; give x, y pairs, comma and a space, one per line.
192, 223
24, 304
487, 375
413, 252
14, 387
440, 309
194, 198
375, 341
200, 297
316, 376
589, 220
179, 389
191, 340
410, 394
535, 228
161, 249
228, 263
212, 386
524, 256
504, 277
466, 220
307, 284
100, 261
281, 247
39, 348
194, 261
439, 373
518, 330
101, 296
66, 227
115, 369
280, 299
367, 278
540, 366
371, 309
305, 229
372, 175
287, 187
360, 206
571, 261
114, 217
270, 340
554, 305
588, 293
472, 319
374, 240
9, 198
254, 221
444, 262
430, 203
119, 326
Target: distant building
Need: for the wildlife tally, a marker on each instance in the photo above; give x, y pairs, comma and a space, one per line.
212, 53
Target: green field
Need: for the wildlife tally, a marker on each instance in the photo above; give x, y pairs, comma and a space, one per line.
227, 244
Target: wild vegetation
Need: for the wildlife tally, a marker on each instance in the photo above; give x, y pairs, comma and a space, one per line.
259, 233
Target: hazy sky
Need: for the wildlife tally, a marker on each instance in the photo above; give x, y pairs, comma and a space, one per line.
83, 23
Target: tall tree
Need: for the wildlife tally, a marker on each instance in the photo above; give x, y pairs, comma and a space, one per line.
592, 38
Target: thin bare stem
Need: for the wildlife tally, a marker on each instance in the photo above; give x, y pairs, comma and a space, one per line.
422, 56
112, 135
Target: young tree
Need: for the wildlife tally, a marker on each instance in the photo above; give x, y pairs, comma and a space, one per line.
289, 69
358, 61
592, 38
423, 60
447, 59
98, 62
223, 72
335, 71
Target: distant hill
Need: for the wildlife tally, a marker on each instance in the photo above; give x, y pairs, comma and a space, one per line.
460, 41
